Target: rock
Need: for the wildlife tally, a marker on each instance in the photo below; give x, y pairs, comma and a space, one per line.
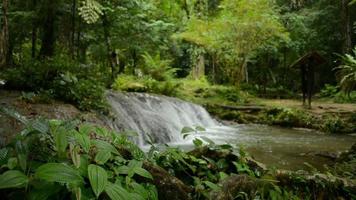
168, 186
255, 165
233, 185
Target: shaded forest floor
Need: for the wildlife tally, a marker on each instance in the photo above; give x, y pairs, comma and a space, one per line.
318, 106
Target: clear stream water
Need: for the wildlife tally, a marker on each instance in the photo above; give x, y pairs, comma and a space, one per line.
164, 117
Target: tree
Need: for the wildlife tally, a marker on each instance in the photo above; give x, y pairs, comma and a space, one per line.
346, 72
238, 30
346, 26
4, 34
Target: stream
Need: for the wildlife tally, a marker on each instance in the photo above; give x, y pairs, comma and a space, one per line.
283, 148
163, 118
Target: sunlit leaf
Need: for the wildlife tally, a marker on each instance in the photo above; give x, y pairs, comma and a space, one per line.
58, 172
13, 179
98, 178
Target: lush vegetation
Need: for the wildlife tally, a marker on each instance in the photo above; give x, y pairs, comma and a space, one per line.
73, 50
218, 53
69, 160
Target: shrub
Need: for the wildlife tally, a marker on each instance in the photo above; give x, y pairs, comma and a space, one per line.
329, 91
333, 124
288, 117
65, 160
129, 83
157, 68
85, 93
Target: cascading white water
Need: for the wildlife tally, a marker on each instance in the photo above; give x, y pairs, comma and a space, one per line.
159, 116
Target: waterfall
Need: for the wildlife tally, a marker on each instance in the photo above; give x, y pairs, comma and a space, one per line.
159, 116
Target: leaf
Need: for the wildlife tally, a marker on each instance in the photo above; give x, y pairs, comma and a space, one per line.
74, 153
58, 172
105, 146
85, 129
208, 140
12, 163
98, 179
84, 162
212, 186
200, 128
197, 142
13, 179
144, 173
43, 191
61, 142
187, 130
83, 140
102, 157
4, 155
116, 192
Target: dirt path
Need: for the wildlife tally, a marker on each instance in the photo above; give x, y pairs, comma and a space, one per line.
318, 107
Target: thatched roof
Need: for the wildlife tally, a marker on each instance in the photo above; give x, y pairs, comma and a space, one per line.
315, 56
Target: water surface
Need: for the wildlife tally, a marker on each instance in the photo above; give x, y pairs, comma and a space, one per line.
284, 148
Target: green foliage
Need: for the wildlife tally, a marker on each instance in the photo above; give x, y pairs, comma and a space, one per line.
13, 179
87, 94
146, 84
98, 178
77, 173
329, 91
288, 117
68, 162
156, 68
333, 124
346, 73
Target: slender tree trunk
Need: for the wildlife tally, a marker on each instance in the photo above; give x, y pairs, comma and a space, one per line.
4, 35
34, 32
110, 53
346, 26
74, 8
48, 38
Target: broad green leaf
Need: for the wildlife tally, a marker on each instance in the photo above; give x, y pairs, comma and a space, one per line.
61, 142
116, 192
144, 173
105, 146
102, 157
74, 154
12, 163
84, 163
83, 140
139, 189
187, 130
133, 165
122, 170
212, 186
58, 172
85, 129
22, 158
98, 178
13, 179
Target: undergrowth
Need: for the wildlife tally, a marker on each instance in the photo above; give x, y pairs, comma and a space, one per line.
53, 159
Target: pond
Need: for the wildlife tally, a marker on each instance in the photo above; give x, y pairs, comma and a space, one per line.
284, 148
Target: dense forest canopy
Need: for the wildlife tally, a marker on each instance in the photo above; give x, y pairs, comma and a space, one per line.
232, 42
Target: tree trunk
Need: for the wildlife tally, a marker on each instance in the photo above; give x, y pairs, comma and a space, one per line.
346, 26
112, 56
74, 7
48, 38
4, 35
34, 32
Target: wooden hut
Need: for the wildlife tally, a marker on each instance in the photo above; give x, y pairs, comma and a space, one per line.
307, 65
